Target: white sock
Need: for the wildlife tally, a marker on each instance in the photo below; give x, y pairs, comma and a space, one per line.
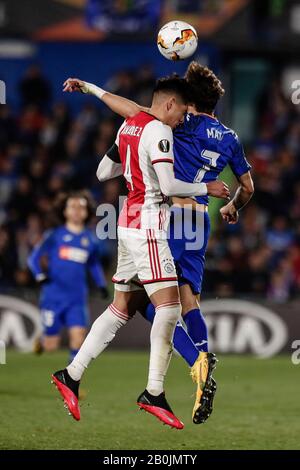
161, 339
103, 331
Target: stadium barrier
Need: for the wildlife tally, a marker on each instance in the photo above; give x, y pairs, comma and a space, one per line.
236, 326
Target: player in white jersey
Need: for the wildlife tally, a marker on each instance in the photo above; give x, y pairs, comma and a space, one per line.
143, 153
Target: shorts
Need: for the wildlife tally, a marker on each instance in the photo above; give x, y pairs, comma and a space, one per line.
188, 236
59, 314
144, 258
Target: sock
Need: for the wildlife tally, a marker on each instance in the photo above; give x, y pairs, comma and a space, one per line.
72, 354
182, 341
149, 313
197, 329
166, 316
184, 345
103, 331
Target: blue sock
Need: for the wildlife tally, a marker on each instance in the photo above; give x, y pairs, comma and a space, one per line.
197, 329
182, 342
184, 345
72, 353
149, 313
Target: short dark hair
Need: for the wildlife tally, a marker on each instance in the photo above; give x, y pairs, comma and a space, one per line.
174, 84
206, 88
60, 204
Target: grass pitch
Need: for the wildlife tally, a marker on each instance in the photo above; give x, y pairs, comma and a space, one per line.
257, 405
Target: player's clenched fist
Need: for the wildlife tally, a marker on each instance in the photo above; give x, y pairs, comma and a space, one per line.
229, 213
218, 189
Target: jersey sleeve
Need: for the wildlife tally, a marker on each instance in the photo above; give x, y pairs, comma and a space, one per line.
43, 248
113, 152
158, 142
238, 162
95, 267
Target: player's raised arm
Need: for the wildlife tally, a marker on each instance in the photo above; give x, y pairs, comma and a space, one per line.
117, 104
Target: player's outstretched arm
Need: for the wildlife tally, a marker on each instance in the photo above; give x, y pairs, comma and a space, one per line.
243, 194
170, 186
117, 104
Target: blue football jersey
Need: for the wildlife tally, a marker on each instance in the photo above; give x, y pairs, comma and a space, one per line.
70, 255
203, 146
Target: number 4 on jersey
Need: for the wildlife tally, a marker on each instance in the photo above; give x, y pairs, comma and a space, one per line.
127, 173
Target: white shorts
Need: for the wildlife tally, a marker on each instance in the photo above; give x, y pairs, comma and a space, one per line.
144, 258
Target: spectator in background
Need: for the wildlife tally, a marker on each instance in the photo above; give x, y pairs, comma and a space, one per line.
34, 88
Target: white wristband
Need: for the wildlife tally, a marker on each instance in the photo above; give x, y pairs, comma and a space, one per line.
203, 189
93, 90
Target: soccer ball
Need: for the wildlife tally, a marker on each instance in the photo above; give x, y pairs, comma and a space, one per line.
177, 40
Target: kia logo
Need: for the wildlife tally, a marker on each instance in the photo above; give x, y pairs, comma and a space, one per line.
239, 326
19, 322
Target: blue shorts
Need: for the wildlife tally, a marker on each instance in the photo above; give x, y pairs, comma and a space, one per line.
59, 314
188, 236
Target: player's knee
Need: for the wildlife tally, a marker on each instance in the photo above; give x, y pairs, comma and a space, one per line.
77, 340
188, 307
169, 311
50, 344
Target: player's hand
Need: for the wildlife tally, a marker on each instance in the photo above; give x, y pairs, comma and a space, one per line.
75, 84
218, 189
104, 292
229, 213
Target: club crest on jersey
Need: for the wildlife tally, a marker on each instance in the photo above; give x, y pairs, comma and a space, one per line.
84, 241
164, 145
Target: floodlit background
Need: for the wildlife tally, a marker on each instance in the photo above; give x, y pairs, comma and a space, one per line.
51, 142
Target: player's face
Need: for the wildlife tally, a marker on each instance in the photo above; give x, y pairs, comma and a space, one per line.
175, 112
76, 210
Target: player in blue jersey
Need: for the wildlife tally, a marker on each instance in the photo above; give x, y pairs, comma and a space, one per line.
203, 146
60, 264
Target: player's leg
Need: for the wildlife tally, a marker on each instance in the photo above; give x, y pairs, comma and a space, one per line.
182, 342
167, 306
190, 266
103, 331
204, 365
190, 272
76, 319
51, 343
156, 271
101, 334
51, 325
77, 335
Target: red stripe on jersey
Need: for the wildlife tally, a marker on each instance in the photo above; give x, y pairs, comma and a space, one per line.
161, 160
129, 144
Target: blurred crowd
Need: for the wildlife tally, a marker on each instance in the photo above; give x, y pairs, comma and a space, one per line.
44, 150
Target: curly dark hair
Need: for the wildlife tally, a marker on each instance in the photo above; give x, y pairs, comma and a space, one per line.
205, 86
57, 215
174, 84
